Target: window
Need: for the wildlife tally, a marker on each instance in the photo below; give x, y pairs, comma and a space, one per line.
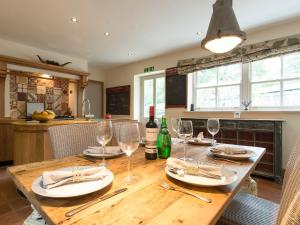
268, 83
218, 87
153, 93
275, 82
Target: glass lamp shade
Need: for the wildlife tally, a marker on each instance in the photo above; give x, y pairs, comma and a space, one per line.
223, 44
224, 32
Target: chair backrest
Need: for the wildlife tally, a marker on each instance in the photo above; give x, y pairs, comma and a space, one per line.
292, 215
290, 190
291, 162
72, 139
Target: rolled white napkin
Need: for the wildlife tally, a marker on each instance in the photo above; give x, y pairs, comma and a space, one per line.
182, 167
200, 136
99, 150
57, 178
229, 149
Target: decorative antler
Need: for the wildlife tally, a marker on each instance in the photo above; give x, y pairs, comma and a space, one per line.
65, 64
52, 62
40, 59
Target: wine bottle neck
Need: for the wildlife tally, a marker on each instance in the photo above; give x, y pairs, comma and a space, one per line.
164, 123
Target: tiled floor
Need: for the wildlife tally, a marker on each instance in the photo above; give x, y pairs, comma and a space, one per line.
14, 209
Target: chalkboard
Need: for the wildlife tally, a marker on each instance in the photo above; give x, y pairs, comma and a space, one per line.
176, 89
118, 100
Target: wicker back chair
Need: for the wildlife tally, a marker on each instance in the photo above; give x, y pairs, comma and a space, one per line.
291, 162
248, 209
72, 139
290, 191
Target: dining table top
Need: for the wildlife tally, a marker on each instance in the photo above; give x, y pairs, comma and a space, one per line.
145, 202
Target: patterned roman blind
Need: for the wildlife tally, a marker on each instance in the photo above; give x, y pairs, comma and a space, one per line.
242, 54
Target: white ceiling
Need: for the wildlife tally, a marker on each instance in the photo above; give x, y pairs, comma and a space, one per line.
145, 27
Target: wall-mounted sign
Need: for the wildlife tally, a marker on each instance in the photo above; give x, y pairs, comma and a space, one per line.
149, 69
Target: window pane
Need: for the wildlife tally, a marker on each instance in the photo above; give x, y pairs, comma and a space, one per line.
230, 74
229, 96
207, 77
291, 93
160, 97
148, 96
266, 94
206, 98
266, 69
291, 65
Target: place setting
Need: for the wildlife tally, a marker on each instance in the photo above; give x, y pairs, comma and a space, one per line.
213, 127
81, 180
231, 152
196, 172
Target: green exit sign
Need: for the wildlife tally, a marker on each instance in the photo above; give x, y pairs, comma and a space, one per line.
149, 69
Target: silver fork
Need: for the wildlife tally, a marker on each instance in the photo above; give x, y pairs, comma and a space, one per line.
169, 187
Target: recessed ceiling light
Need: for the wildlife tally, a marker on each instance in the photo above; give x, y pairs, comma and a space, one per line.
106, 34
74, 19
199, 33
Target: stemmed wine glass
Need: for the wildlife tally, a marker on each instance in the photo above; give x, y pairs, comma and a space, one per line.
174, 123
213, 127
104, 135
129, 139
185, 132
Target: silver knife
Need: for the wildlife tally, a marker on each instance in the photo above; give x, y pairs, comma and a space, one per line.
102, 198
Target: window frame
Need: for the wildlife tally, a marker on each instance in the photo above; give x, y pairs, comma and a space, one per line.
246, 90
142, 79
195, 88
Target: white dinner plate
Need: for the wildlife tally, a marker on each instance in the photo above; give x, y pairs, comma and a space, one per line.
117, 152
72, 190
245, 156
230, 177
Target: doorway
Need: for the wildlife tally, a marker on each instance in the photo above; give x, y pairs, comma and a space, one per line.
94, 91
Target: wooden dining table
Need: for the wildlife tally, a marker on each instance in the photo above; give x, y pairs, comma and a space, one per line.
145, 201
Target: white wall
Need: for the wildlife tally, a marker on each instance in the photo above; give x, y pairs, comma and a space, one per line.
124, 75
96, 73
27, 52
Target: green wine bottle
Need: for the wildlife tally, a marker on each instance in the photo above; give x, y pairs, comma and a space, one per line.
163, 140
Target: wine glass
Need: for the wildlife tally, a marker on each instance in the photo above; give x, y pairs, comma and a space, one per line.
174, 123
104, 135
185, 132
213, 127
129, 139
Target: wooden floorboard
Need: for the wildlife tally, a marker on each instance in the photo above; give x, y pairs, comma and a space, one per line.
14, 209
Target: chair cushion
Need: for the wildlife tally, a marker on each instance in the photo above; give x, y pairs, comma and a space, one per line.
247, 209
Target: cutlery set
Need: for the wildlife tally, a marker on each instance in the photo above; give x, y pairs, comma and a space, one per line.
169, 187
196, 172
93, 202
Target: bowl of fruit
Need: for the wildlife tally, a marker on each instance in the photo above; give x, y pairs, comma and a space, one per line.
44, 116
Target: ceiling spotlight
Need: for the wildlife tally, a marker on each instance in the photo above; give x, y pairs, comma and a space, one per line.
106, 34
74, 19
199, 33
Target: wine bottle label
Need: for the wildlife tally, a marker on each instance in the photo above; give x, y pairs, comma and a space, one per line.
151, 138
151, 150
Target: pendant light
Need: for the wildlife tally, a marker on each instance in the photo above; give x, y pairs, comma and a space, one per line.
224, 32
